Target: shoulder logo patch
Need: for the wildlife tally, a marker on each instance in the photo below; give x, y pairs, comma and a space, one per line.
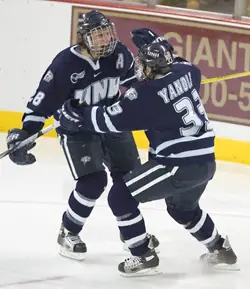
48, 76
131, 94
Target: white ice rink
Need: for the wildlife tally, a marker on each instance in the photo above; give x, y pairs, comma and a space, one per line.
33, 198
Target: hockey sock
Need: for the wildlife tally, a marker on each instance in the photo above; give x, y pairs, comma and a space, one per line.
82, 200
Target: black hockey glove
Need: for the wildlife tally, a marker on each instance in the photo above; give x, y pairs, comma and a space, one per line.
143, 36
69, 118
20, 156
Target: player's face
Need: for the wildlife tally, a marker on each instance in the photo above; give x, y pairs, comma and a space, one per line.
103, 41
101, 37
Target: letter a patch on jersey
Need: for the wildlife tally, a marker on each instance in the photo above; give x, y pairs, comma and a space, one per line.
120, 61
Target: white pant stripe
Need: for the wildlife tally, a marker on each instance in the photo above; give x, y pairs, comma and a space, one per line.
143, 175
156, 181
71, 164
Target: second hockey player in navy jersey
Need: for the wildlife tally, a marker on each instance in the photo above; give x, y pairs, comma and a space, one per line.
167, 106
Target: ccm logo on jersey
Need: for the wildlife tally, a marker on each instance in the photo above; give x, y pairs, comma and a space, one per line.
76, 76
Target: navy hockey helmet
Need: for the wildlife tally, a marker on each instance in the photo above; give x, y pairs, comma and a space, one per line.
155, 58
96, 33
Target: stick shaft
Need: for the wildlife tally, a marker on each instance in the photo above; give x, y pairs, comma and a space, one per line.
225, 77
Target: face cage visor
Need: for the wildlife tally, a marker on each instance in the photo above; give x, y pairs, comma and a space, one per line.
101, 41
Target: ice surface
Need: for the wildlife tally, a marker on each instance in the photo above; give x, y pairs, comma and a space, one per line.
33, 198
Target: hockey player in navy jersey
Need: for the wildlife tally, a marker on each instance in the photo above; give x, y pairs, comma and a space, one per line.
165, 103
90, 72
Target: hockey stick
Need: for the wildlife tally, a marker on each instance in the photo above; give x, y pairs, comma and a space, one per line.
225, 77
29, 139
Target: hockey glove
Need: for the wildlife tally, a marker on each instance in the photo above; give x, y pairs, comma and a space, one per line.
69, 119
144, 36
20, 156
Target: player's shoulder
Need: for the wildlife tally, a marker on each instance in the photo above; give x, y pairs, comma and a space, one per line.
65, 56
122, 48
145, 87
145, 94
182, 66
66, 62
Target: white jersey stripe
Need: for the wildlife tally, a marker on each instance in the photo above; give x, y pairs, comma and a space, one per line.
109, 123
128, 79
94, 120
167, 144
34, 118
193, 153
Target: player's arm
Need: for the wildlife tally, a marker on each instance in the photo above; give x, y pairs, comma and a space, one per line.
134, 112
51, 93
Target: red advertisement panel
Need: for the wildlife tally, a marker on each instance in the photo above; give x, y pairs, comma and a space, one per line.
216, 49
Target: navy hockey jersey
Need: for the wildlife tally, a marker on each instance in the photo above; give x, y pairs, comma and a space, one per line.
74, 75
169, 110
